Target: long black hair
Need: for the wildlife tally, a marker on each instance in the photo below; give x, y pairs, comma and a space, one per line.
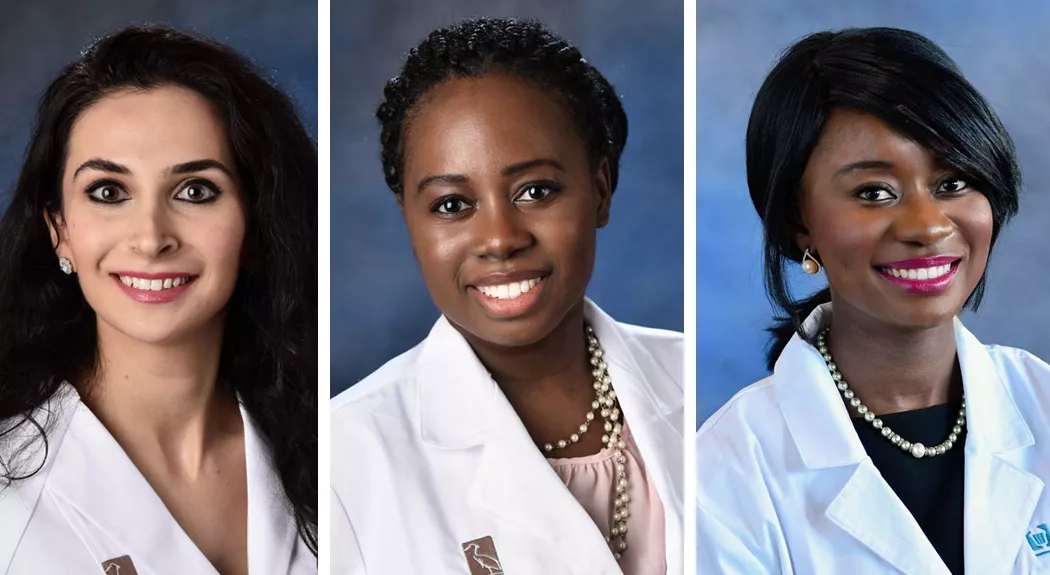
269, 357
524, 48
898, 76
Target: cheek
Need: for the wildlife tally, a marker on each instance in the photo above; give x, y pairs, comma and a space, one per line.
89, 239
438, 247
974, 221
847, 238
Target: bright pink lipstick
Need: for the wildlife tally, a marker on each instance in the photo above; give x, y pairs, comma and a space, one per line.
922, 275
150, 296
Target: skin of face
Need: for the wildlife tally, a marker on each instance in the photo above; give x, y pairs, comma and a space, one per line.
903, 203
133, 201
496, 180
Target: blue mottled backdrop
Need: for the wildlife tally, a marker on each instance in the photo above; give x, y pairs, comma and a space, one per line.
380, 306
1000, 46
37, 39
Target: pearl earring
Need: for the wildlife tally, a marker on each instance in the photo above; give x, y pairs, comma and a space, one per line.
65, 265
810, 265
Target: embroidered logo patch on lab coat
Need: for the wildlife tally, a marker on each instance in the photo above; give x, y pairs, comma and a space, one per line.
119, 566
481, 557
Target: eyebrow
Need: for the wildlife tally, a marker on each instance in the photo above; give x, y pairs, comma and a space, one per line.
102, 166
454, 179
199, 166
862, 165
183, 168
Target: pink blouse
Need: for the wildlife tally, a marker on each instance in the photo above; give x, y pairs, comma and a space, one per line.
590, 480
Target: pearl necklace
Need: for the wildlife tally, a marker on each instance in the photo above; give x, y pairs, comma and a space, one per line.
917, 450
608, 408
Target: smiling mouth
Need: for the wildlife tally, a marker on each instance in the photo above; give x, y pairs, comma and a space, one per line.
148, 284
512, 290
928, 273
922, 279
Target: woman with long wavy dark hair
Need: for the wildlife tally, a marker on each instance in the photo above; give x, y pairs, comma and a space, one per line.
158, 317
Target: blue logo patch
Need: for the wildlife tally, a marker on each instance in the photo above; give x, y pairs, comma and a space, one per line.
1040, 540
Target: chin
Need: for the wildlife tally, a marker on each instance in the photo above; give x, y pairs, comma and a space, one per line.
517, 332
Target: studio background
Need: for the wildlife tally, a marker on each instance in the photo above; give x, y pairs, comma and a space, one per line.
1000, 49
380, 306
38, 39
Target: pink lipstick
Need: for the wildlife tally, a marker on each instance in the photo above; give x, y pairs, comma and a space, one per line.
922, 275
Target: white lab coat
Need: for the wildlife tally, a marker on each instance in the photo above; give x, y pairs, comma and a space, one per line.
89, 504
785, 486
427, 455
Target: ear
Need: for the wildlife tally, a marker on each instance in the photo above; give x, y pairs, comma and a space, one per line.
400, 196
602, 185
56, 227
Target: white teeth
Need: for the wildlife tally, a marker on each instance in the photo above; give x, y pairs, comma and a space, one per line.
920, 273
152, 285
509, 291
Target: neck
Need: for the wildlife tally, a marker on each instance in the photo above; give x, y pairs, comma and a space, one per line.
894, 369
162, 399
548, 383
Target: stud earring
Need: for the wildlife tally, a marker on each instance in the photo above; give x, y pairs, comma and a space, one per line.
810, 265
65, 265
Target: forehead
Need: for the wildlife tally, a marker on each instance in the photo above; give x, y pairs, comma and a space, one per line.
493, 118
852, 136
160, 126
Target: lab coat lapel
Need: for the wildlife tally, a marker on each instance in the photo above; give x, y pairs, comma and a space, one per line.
17, 505
272, 536
865, 507
869, 510
462, 407
112, 507
1000, 497
653, 406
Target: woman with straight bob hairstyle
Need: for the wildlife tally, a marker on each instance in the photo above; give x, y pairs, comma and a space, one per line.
158, 313
888, 439
529, 432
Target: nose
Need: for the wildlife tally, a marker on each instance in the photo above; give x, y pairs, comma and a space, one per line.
922, 220
152, 231
501, 231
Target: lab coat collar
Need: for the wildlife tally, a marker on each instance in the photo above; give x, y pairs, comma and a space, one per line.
456, 390
867, 508
116, 512
18, 502
462, 407
821, 426
809, 400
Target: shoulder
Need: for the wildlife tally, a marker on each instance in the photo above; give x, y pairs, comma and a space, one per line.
663, 349
737, 415
387, 381
28, 445
385, 396
1015, 363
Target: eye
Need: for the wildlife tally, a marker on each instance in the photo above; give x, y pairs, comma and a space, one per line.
953, 186
197, 192
107, 193
875, 194
536, 192
450, 206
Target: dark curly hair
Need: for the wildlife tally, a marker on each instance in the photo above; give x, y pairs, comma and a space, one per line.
524, 48
898, 76
269, 358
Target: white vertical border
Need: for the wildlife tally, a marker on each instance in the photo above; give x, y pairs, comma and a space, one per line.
324, 302
691, 383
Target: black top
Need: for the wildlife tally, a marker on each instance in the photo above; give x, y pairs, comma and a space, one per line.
931, 488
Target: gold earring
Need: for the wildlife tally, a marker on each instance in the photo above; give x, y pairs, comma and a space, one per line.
810, 265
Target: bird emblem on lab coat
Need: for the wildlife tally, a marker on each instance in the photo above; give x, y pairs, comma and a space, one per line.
485, 561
